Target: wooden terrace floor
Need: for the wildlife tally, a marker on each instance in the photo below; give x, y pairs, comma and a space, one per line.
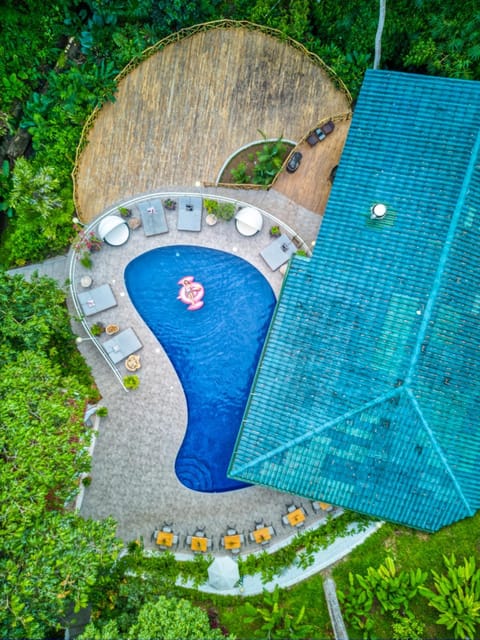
183, 111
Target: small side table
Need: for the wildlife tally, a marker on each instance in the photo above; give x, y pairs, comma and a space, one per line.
134, 223
111, 329
211, 219
86, 282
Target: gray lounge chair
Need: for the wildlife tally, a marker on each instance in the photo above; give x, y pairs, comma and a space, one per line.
122, 345
189, 214
278, 252
153, 217
96, 300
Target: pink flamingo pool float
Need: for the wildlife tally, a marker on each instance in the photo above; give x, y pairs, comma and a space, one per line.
191, 293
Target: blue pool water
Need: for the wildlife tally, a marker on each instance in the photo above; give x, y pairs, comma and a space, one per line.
214, 350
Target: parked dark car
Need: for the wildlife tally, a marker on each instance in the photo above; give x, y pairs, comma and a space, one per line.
333, 173
320, 133
294, 162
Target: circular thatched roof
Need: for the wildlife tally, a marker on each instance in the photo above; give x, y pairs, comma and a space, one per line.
181, 112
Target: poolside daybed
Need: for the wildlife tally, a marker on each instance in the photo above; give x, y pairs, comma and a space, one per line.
96, 300
122, 345
189, 214
248, 221
278, 252
153, 217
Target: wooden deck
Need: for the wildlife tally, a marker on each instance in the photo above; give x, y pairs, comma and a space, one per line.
181, 113
310, 185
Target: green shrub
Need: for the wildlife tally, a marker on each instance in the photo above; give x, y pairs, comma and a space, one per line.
97, 329
408, 628
102, 412
210, 205
392, 590
222, 210
457, 597
225, 210
275, 620
240, 175
131, 382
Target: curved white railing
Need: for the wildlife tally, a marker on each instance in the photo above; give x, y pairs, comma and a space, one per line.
300, 243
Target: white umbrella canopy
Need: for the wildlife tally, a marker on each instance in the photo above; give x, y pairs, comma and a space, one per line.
223, 573
249, 221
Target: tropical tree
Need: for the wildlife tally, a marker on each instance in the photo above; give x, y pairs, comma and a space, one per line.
167, 618
52, 561
34, 317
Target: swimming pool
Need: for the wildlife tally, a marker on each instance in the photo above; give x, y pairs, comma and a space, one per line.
214, 350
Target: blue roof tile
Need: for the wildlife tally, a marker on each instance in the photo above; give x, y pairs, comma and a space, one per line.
368, 391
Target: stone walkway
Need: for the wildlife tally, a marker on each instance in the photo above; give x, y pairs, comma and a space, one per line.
55, 268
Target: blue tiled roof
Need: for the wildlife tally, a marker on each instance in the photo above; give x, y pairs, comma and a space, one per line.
368, 392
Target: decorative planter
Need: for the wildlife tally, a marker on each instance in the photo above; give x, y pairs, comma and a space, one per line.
170, 205
211, 219
132, 363
110, 329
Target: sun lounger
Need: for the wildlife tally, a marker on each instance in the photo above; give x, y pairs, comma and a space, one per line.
189, 214
153, 217
96, 300
122, 345
278, 252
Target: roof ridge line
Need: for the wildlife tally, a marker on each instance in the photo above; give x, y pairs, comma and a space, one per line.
327, 425
438, 448
443, 258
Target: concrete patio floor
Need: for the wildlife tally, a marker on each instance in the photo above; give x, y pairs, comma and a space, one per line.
133, 477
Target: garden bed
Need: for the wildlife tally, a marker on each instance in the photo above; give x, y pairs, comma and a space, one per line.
249, 159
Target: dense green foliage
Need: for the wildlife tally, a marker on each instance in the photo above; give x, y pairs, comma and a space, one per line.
51, 560
265, 163
412, 551
138, 579
52, 79
391, 590
274, 620
457, 596
58, 60
166, 618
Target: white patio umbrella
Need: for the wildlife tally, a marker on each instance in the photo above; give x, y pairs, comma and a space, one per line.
223, 573
113, 230
248, 221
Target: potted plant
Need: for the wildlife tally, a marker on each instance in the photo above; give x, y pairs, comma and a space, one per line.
124, 212
97, 329
225, 211
170, 204
131, 382
275, 231
219, 210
